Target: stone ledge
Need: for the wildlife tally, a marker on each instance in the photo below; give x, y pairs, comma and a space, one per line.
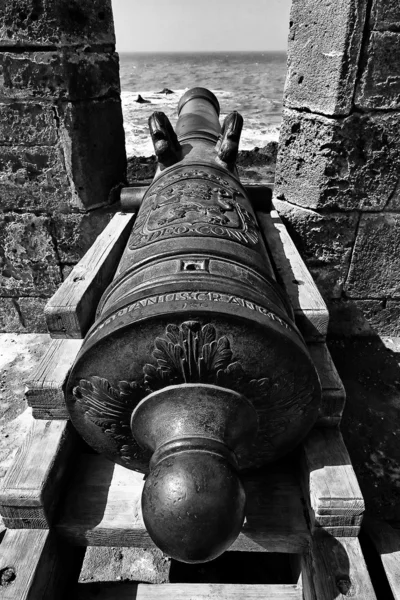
75, 233
325, 242
325, 40
62, 75
379, 85
56, 23
385, 15
352, 163
29, 263
35, 178
375, 266
27, 124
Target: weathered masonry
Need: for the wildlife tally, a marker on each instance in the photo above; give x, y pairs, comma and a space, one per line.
337, 183
338, 171
62, 150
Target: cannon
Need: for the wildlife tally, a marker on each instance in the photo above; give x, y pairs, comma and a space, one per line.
194, 370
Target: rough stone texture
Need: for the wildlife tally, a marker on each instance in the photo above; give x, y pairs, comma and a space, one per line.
325, 242
124, 564
348, 163
28, 260
375, 266
379, 84
28, 124
56, 22
34, 178
382, 316
325, 40
32, 315
59, 75
385, 15
9, 318
93, 141
76, 233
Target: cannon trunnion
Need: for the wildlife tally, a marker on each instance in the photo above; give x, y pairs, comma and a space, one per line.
194, 369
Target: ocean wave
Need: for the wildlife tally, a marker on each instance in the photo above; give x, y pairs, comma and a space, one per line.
256, 131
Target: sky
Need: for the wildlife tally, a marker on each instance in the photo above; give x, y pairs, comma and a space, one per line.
201, 25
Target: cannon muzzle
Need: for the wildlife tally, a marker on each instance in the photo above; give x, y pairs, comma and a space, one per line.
194, 370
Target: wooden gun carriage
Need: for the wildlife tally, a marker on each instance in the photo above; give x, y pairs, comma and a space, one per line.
58, 495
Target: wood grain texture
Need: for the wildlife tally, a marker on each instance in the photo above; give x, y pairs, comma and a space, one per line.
311, 313
188, 591
335, 569
387, 543
42, 566
71, 311
330, 486
103, 508
32, 486
333, 392
45, 389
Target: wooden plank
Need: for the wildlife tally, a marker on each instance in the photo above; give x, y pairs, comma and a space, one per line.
335, 569
45, 389
32, 486
71, 311
387, 543
333, 392
330, 486
37, 566
188, 591
311, 313
103, 508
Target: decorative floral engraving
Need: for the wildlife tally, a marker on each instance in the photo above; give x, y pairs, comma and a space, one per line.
192, 353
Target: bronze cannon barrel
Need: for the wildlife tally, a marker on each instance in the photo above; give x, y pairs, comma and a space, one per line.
194, 369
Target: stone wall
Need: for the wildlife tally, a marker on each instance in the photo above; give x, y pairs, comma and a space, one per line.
338, 169
62, 146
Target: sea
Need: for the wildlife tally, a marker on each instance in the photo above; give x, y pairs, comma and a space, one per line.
249, 82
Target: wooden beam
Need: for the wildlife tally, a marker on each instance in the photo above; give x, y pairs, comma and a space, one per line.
36, 566
335, 568
311, 313
333, 392
32, 487
189, 591
330, 486
103, 508
71, 311
387, 543
45, 389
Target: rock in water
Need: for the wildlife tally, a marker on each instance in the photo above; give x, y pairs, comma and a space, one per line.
141, 100
166, 91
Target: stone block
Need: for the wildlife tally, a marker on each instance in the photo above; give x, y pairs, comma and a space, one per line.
75, 233
375, 266
325, 40
59, 75
35, 178
345, 163
28, 124
93, 140
325, 242
56, 22
28, 260
31, 312
9, 318
385, 15
124, 564
379, 84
